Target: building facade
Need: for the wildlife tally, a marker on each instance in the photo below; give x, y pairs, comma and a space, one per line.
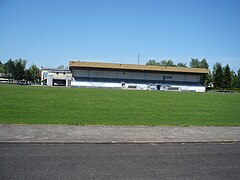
56, 77
129, 76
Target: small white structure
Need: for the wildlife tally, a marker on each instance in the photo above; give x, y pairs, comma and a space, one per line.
56, 77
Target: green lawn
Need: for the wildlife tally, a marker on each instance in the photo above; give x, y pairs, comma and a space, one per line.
56, 105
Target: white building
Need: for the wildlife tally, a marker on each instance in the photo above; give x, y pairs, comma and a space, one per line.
129, 76
56, 77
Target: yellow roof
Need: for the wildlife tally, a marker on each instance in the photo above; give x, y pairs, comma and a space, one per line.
137, 67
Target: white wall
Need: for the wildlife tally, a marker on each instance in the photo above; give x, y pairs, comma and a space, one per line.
138, 86
191, 88
108, 85
96, 84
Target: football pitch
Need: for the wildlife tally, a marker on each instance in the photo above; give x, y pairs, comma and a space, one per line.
77, 106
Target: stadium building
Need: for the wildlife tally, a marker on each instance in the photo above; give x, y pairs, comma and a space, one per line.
130, 76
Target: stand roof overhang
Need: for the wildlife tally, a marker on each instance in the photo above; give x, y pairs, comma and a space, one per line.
115, 66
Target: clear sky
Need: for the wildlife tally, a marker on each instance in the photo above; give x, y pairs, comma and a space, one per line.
49, 33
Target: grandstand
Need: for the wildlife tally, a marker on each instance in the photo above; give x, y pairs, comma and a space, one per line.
130, 76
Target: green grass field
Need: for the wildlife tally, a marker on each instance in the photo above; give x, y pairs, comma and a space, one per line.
55, 105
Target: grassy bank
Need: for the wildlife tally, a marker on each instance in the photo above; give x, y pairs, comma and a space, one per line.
54, 105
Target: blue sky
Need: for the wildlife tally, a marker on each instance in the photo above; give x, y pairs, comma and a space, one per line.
49, 33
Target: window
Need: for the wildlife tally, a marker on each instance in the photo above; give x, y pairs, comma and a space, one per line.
45, 74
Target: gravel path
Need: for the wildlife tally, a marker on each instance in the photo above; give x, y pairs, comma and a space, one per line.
116, 134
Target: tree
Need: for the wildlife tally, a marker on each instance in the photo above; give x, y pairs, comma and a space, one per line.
236, 79
167, 63
217, 76
19, 70
20, 66
162, 63
203, 64
28, 75
194, 63
35, 73
153, 63
180, 64
9, 67
207, 79
2, 68
227, 77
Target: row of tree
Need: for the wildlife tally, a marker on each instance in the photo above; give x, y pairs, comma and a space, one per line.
165, 63
195, 63
16, 70
224, 77
220, 78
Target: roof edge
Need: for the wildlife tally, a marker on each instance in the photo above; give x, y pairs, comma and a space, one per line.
137, 67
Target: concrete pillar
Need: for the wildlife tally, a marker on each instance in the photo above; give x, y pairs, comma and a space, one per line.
50, 80
42, 77
66, 82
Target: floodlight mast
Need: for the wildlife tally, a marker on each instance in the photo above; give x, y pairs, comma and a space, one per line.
138, 57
